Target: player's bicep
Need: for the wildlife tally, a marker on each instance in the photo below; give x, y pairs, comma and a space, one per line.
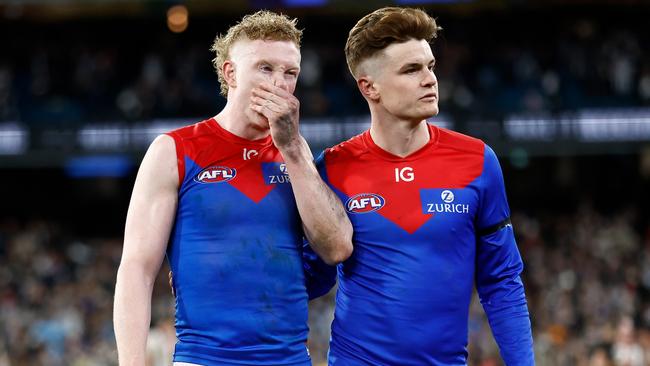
493, 209
152, 207
499, 265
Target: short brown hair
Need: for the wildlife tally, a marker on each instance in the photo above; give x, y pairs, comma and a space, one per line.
264, 25
386, 26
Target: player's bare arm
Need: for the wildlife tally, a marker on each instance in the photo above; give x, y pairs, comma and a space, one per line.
326, 224
148, 224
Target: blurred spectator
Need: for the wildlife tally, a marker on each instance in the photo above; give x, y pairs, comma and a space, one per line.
585, 62
599, 356
160, 343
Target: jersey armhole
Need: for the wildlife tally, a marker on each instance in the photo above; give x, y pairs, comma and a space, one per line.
180, 156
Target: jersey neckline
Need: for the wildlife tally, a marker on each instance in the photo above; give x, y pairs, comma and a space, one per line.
231, 137
377, 150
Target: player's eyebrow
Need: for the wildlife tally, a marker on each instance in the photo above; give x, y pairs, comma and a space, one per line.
416, 65
275, 63
264, 62
411, 65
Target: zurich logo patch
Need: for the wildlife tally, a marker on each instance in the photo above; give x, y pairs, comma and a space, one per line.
445, 201
275, 173
447, 196
364, 203
215, 174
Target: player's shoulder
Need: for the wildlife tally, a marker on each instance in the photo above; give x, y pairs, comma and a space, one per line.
349, 149
162, 146
160, 160
192, 131
460, 142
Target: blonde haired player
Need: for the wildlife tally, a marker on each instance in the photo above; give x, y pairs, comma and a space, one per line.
218, 198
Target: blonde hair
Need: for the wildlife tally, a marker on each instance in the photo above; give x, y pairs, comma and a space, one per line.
263, 25
386, 26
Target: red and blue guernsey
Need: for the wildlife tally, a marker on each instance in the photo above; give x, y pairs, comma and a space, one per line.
426, 228
236, 253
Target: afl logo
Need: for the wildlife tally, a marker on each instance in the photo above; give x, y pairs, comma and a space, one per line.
215, 174
364, 203
447, 196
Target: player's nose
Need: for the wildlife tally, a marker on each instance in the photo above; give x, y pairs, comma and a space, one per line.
279, 81
430, 79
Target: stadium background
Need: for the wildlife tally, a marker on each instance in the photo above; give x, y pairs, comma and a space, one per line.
560, 89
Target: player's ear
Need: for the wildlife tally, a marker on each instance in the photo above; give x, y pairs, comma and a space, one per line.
228, 69
366, 85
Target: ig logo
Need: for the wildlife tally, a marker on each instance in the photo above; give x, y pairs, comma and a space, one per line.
248, 154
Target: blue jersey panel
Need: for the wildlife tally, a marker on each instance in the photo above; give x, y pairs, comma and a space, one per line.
238, 272
426, 228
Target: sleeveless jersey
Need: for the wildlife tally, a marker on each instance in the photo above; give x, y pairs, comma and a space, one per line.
235, 253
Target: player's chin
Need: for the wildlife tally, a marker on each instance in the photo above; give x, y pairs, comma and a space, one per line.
429, 105
428, 112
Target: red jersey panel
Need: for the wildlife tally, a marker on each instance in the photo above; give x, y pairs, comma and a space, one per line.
436, 165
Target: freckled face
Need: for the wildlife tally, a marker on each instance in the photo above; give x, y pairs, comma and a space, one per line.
276, 62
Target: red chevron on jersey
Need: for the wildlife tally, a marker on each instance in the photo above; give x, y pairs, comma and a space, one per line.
208, 144
448, 160
252, 183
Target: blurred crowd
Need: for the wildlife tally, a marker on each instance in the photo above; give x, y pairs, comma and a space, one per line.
587, 278
56, 299
488, 65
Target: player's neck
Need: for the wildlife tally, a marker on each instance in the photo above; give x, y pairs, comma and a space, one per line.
234, 119
399, 137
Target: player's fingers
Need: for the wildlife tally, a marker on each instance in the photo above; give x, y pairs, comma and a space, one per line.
293, 103
264, 110
257, 108
273, 88
268, 99
269, 91
260, 101
269, 104
286, 99
259, 92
